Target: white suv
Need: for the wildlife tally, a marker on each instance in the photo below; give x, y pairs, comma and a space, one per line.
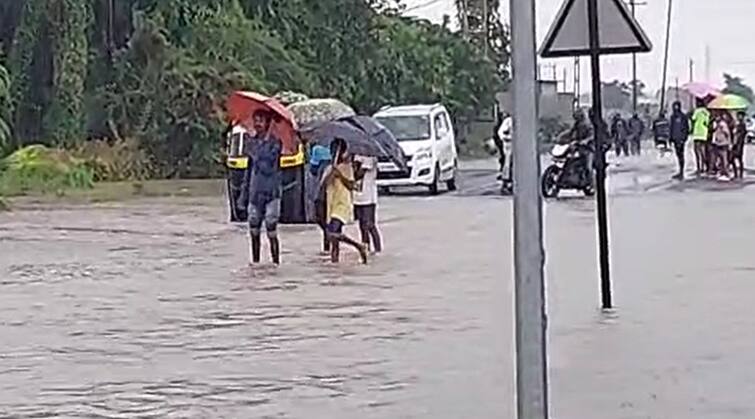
427, 138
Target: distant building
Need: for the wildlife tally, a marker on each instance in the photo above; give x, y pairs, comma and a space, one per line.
551, 103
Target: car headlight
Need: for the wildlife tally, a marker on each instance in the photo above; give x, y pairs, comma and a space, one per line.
424, 154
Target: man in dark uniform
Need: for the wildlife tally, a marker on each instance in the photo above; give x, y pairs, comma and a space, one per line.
679, 133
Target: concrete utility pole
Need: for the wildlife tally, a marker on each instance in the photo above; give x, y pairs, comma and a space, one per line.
633, 4
531, 359
666, 52
707, 63
691, 79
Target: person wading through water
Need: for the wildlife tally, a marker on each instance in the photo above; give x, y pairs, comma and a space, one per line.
318, 164
366, 201
262, 185
339, 183
679, 131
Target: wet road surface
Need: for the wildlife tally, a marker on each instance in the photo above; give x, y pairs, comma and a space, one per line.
147, 310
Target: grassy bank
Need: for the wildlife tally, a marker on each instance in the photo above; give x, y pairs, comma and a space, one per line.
124, 191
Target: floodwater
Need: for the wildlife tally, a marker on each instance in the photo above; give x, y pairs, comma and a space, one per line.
148, 310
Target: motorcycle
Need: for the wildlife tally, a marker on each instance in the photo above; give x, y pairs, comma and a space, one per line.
569, 170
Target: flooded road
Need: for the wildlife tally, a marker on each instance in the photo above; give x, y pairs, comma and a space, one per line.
148, 310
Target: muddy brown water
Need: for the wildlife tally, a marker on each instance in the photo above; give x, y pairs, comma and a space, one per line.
148, 310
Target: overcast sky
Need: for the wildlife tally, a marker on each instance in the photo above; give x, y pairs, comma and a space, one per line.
726, 26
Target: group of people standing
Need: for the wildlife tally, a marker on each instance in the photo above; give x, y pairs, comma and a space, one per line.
627, 134
345, 188
718, 138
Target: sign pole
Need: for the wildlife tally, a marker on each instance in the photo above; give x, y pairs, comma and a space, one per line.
531, 353
600, 157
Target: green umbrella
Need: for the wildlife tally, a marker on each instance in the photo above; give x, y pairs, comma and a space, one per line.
729, 102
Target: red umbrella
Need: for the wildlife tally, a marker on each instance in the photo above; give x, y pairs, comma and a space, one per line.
242, 105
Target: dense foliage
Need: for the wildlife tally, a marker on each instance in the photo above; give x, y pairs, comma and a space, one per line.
40, 169
150, 76
736, 85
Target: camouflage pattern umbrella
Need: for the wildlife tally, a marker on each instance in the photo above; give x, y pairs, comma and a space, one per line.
314, 111
289, 98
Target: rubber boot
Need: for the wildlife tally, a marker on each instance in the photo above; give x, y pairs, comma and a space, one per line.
275, 251
256, 244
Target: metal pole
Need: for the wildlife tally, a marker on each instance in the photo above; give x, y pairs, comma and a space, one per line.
676, 89
600, 157
665, 56
691, 79
634, 66
531, 359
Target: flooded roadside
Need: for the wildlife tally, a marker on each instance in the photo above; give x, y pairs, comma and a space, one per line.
147, 309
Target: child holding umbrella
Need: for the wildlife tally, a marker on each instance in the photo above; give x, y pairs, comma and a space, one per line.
339, 184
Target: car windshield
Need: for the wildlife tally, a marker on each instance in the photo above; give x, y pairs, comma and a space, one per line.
407, 128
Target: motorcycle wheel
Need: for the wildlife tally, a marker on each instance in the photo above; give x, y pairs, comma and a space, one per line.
549, 182
589, 191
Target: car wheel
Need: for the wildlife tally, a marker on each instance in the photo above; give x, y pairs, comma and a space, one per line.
451, 183
435, 186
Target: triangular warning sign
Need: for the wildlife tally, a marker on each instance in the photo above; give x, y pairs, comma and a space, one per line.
619, 32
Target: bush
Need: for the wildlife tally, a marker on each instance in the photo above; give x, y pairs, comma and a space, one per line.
115, 161
40, 169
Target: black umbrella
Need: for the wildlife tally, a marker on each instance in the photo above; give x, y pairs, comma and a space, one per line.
358, 141
382, 136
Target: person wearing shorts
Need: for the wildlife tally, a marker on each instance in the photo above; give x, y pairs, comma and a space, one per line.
262, 187
366, 200
339, 183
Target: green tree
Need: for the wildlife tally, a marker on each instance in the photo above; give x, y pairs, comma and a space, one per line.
491, 35
156, 72
737, 86
48, 65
